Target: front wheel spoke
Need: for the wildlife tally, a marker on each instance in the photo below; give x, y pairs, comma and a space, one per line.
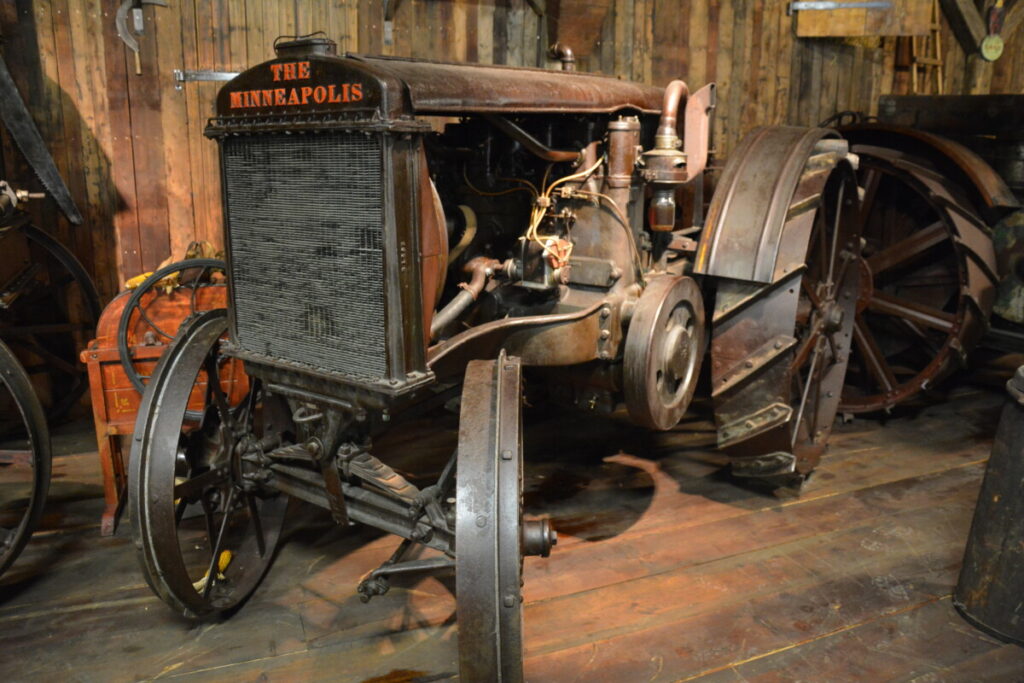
926, 316
212, 570
194, 487
254, 513
217, 392
873, 358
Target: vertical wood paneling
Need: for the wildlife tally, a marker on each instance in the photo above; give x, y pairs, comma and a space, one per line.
132, 148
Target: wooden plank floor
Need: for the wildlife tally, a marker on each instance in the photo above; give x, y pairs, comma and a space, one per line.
665, 571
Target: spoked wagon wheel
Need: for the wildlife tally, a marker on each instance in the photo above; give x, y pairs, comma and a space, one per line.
190, 275
50, 312
24, 458
203, 522
780, 345
928, 277
491, 536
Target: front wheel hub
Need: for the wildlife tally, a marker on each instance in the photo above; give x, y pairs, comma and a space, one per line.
539, 537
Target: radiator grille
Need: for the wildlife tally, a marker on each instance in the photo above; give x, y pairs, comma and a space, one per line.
305, 225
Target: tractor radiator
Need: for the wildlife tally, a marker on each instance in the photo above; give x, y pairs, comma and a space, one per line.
305, 221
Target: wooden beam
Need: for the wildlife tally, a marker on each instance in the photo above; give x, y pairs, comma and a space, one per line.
966, 22
1012, 20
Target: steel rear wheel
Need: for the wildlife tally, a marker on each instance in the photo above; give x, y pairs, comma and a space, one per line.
204, 525
489, 523
780, 350
24, 459
928, 276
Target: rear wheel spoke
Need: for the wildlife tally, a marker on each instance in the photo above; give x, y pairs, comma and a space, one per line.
920, 314
908, 248
873, 358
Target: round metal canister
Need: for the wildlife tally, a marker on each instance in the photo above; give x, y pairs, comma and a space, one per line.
990, 592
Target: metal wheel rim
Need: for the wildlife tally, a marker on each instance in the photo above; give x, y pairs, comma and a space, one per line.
38, 457
153, 488
488, 524
883, 378
91, 308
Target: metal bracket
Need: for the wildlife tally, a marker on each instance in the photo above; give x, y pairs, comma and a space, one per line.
818, 5
749, 425
190, 76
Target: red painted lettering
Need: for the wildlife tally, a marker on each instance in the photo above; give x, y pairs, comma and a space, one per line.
346, 89
279, 100
357, 92
236, 100
332, 96
303, 69
268, 98
319, 94
276, 70
289, 71
293, 97
306, 93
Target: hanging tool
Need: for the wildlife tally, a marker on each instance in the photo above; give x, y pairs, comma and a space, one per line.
129, 35
23, 131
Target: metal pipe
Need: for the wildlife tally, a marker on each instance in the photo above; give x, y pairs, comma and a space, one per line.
480, 269
532, 144
564, 54
676, 93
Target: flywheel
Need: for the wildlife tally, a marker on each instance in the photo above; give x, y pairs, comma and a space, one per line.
663, 351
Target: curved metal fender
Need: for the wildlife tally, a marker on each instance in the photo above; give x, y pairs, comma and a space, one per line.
962, 166
744, 232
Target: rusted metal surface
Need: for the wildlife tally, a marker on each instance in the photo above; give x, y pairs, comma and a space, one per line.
928, 274
749, 209
206, 530
779, 348
664, 350
488, 522
988, 593
441, 88
961, 165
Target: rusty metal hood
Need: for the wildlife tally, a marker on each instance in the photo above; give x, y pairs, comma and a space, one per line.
319, 87
447, 88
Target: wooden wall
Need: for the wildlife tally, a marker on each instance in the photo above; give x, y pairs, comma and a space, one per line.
131, 146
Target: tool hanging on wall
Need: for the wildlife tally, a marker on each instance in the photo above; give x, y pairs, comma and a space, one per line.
129, 35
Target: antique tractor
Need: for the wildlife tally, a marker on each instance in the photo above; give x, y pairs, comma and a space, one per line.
398, 231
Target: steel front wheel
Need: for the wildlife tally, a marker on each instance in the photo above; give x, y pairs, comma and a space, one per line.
24, 458
204, 525
491, 537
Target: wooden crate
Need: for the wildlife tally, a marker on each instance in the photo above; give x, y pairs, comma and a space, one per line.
115, 401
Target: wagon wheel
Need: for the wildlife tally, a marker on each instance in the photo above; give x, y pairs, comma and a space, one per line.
928, 274
190, 275
491, 536
204, 524
50, 310
24, 458
779, 350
